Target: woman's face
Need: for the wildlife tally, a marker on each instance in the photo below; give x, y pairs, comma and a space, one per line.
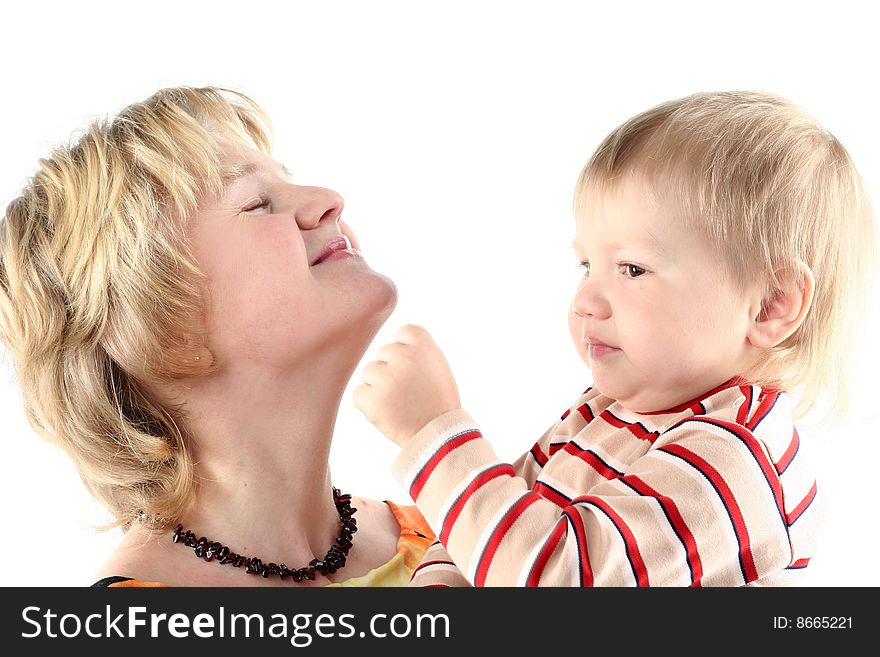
274, 297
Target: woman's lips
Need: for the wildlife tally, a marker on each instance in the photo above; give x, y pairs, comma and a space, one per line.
336, 248
339, 254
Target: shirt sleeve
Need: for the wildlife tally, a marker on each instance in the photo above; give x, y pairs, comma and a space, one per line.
703, 506
437, 568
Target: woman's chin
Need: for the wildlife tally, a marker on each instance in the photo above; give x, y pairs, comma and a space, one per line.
365, 305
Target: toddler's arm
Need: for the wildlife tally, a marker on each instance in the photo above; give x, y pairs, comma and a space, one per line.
703, 506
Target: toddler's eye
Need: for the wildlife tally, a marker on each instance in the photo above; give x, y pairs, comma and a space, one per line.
632, 271
585, 266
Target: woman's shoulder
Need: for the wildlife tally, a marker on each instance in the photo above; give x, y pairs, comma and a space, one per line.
140, 559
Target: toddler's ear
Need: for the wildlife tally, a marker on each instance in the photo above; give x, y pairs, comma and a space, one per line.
783, 311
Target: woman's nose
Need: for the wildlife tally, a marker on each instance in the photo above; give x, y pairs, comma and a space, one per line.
590, 300
317, 204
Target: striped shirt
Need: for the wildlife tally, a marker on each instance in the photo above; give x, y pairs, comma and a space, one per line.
714, 492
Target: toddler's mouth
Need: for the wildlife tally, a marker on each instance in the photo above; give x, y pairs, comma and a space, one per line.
599, 349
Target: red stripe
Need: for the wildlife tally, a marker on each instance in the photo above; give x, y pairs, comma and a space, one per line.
555, 447
544, 555
438, 456
565, 415
586, 412
539, 455
635, 428
766, 401
800, 563
785, 461
629, 540
742, 414
592, 460
580, 533
498, 535
750, 572
763, 460
800, 508
678, 524
548, 493
754, 447
479, 481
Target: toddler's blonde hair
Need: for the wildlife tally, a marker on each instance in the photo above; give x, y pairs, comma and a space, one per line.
768, 186
99, 291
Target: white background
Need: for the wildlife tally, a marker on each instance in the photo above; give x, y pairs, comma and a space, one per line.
455, 131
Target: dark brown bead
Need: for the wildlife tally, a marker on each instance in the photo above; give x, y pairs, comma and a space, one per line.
332, 561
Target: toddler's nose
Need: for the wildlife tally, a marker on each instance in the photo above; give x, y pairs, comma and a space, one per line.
589, 301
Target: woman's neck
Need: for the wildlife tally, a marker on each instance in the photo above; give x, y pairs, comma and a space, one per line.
261, 445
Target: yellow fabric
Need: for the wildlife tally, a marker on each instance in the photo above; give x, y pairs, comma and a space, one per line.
415, 537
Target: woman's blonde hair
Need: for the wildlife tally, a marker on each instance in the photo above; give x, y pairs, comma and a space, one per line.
769, 187
99, 291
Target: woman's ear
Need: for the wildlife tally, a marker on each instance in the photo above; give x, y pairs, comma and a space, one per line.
783, 310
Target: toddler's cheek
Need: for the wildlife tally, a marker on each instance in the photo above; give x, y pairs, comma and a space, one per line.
575, 330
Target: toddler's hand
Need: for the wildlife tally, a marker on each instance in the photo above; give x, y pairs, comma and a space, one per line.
408, 386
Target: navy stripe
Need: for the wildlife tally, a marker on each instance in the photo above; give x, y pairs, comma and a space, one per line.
622, 536
669, 520
631, 424
780, 511
577, 541
772, 406
558, 492
739, 552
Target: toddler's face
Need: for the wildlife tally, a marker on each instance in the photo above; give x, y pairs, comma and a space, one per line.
655, 316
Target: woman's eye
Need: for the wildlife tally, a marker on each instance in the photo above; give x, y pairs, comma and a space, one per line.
257, 205
632, 271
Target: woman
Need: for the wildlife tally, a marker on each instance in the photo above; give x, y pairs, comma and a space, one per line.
183, 320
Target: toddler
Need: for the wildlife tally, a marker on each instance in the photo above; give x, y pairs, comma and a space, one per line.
725, 240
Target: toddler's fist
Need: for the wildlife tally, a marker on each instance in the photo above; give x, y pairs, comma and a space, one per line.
408, 385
